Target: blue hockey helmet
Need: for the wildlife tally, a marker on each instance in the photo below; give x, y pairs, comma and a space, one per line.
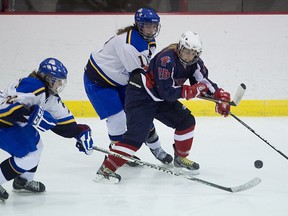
149, 17
54, 74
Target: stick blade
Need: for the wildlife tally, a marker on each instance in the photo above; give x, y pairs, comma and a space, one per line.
243, 86
252, 183
239, 94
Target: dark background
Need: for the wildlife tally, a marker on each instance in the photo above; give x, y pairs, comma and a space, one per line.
187, 6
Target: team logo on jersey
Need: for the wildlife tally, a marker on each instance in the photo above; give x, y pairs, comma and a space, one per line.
165, 60
163, 73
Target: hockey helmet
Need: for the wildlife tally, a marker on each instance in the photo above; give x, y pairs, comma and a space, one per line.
147, 16
54, 74
189, 46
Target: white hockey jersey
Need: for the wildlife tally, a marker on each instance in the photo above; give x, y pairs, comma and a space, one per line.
17, 99
120, 56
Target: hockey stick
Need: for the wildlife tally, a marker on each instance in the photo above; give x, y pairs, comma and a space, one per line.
238, 96
243, 187
249, 128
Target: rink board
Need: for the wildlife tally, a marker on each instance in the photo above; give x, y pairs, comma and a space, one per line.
256, 108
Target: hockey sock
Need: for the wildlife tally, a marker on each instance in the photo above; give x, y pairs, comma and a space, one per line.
115, 139
29, 175
183, 141
10, 170
153, 139
112, 162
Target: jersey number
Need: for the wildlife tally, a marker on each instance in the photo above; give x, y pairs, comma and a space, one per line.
141, 61
9, 99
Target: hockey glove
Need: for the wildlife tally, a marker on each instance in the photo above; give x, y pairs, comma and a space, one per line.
193, 91
84, 140
41, 119
222, 108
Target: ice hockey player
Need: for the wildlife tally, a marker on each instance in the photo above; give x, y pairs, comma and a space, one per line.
108, 70
155, 93
30, 105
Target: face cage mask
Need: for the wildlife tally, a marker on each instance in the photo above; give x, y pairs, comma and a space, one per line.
185, 63
140, 26
56, 85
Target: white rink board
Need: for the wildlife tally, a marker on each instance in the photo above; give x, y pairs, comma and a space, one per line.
237, 48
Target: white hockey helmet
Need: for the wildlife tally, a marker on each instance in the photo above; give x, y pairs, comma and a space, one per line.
189, 41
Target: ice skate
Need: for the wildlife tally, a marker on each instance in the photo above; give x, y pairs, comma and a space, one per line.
105, 175
3, 194
186, 165
161, 155
22, 185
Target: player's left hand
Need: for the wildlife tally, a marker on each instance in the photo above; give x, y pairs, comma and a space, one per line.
222, 108
84, 140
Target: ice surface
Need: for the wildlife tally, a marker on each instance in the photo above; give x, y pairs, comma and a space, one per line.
225, 149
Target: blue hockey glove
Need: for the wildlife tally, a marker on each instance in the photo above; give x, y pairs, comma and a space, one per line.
84, 140
41, 119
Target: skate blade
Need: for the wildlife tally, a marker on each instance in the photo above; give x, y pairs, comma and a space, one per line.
3, 201
102, 179
25, 191
21, 191
186, 172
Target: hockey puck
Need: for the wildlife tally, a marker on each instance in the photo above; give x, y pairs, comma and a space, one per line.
258, 164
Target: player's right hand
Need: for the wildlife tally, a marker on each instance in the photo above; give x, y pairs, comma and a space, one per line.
84, 139
41, 119
223, 108
193, 91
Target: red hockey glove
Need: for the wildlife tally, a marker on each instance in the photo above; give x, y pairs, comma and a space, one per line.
222, 108
193, 91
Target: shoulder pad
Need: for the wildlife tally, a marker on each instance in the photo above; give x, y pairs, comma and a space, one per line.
134, 38
31, 85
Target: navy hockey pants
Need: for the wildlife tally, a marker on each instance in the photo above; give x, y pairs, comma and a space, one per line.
141, 109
